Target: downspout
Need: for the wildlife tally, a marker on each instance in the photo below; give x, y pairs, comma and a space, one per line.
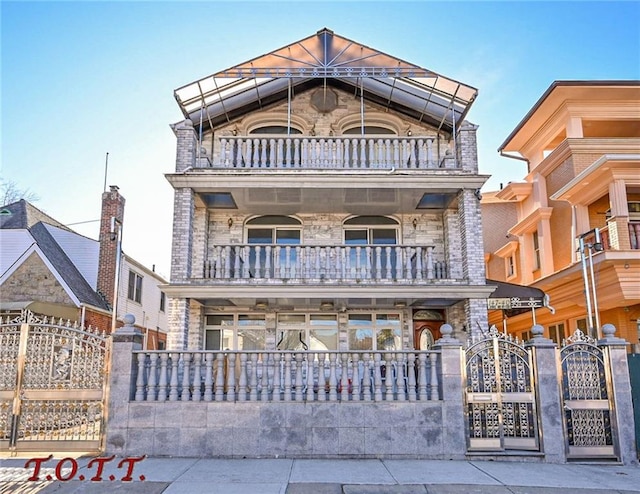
504, 155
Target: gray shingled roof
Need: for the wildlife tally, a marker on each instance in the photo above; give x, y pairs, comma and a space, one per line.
23, 215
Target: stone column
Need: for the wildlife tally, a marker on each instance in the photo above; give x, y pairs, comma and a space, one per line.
622, 401
549, 395
468, 148
452, 385
125, 341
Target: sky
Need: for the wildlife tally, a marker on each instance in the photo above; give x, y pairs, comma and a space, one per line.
83, 79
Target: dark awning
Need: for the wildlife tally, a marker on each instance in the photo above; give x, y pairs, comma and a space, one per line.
509, 296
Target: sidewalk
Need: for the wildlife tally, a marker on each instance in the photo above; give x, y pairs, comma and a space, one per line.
286, 476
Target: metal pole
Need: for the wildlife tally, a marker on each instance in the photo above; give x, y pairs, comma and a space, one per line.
595, 298
106, 166
116, 227
587, 292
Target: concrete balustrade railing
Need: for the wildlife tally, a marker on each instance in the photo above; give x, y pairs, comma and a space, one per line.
330, 152
329, 262
286, 376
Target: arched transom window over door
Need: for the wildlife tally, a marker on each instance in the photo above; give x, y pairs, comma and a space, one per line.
373, 234
271, 235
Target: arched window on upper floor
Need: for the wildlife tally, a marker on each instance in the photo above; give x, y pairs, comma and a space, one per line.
370, 130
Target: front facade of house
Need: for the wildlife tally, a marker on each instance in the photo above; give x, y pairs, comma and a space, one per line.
325, 199
581, 141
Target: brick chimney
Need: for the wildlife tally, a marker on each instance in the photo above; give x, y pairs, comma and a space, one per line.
110, 222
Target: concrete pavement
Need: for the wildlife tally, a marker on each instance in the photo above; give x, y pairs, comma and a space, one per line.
287, 476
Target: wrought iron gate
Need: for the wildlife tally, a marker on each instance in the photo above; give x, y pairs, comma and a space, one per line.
589, 416
52, 385
500, 397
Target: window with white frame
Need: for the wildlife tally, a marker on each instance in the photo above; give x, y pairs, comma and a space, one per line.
372, 231
277, 232
536, 250
307, 332
377, 331
235, 332
134, 291
557, 333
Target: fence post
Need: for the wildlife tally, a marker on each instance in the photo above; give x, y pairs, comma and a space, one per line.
452, 388
125, 341
621, 385
547, 378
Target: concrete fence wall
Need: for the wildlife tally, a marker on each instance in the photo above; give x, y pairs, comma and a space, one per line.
387, 428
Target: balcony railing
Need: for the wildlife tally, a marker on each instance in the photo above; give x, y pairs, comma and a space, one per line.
330, 152
330, 262
605, 238
287, 376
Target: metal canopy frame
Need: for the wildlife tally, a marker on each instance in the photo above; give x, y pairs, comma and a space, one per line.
320, 59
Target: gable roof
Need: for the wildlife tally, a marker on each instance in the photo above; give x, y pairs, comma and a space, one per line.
22, 215
66, 269
326, 59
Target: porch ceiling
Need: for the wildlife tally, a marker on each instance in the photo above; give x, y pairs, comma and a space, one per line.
326, 59
355, 194
342, 296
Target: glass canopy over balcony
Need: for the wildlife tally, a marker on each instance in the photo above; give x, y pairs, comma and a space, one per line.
321, 59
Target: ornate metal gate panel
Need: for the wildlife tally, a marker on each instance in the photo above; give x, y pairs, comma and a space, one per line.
500, 397
589, 416
52, 385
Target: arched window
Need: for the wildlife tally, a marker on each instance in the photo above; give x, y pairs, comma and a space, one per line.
274, 231
276, 129
369, 130
373, 231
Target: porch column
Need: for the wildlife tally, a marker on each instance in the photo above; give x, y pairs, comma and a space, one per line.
471, 237
468, 148
621, 385
619, 222
452, 385
547, 386
125, 341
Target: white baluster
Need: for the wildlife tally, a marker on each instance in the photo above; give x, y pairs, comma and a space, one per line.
298, 381
140, 378
355, 377
277, 161
245, 265
433, 382
236, 262
322, 379
224, 159
242, 381
407, 254
208, 377
378, 256
296, 269
253, 378
153, 376
317, 262
276, 262
366, 377
430, 161
323, 155
388, 378
287, 377
263, 367
257, 268
229, 380
387, 251
307, 262
287, 262
249, 154
333, 383
263, 153
377, 378
296, 153
400, 377
363, 154
267, 262
412, 155
197, 363
162, 384
311, 362
367, 260
387, 152
396, 153
287, 158
411, 376
430, 263
219, 383
186, 377
422, 376
173, 384
419, 263
358, 268
344, 377
329, 266
277, 369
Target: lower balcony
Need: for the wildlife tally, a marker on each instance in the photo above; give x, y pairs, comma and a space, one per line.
340, 263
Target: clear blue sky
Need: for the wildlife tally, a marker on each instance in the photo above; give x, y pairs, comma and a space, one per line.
80, 79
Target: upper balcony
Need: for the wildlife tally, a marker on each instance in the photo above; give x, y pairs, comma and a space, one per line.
382, 152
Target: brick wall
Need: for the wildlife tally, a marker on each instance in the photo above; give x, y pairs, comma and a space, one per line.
112, 207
